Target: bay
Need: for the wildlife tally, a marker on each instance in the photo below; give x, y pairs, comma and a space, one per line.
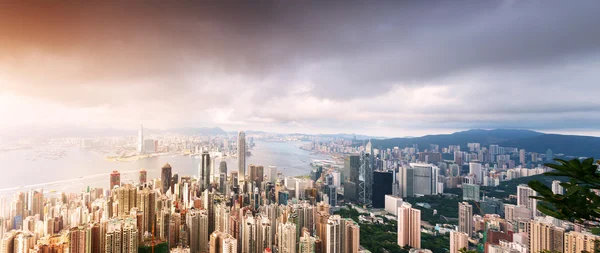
78, 168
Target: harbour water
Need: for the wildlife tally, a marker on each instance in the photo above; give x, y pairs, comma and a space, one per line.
78, 168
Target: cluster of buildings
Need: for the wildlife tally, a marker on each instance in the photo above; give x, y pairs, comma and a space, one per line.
251, 210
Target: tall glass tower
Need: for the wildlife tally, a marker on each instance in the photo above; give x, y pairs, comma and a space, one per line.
241, 156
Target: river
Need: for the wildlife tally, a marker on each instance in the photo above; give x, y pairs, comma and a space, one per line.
79, 168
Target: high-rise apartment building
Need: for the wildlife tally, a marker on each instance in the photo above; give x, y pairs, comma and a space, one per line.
476, 171
522, 157
458, 240
241, 157
544, 236
465, 218
523, 198
143, 176
286, 237
576, 242
409, 226
556, 188
333, 235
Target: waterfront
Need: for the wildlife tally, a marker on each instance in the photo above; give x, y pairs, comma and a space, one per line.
78, 168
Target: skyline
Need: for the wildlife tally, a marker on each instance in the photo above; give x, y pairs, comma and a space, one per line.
381, 69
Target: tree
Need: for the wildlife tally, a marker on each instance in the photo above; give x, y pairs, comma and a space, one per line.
580, 203
465, 250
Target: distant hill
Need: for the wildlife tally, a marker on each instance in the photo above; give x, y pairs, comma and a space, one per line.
529, 140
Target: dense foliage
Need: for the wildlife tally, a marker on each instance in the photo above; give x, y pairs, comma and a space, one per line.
579, 203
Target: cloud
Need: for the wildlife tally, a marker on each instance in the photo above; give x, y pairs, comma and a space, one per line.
309, 65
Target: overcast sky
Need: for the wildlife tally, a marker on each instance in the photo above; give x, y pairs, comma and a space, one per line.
377, 68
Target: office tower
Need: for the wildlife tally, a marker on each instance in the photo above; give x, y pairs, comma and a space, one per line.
223, 167
352, 167
143, 176
165, 178
365, 184
406, 179
350, 236
543, 236
523, 198
140, 142
263, 234
272, 174
549, 156
475, 170
556, 188
204, 173
256, 174
383, 181
115, 179
409, 226
241, 157
465, 218
286, 237
458, 240
425, 178
576, 242
470, 192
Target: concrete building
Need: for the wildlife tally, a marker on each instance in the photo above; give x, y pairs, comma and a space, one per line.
523, 199
425, 178
465, 218
556, 188
576, 242
409, 226
458, 240
544, 236
392, 203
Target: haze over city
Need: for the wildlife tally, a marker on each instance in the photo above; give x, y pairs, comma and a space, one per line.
380, 68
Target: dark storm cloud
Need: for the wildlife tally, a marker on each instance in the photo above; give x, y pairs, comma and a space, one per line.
341, 48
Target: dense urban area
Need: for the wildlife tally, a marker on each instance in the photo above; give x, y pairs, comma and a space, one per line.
364, 199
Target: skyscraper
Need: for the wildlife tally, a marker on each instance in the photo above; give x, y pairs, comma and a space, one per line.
272, 174
383, 181
165, 177
143, 176
465, 218
205, 170
115, 179
409, 226
522, 157
549, 155
458, 240
425, 178
475, 170
256, 174
140, 142
223, 167
241, 157
406, 179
